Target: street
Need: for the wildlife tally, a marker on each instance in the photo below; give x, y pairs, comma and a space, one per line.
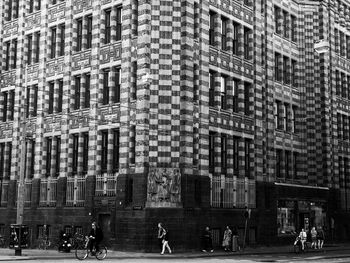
329, 256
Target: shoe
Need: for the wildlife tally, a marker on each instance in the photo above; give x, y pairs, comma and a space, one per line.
204, 250
162, 253
212, 250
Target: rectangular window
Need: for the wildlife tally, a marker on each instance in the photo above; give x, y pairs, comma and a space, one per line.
276, 19
48, 155
105, 98
79, 34
32, 160
87, 91
53, 42
235, 38
211, 152
285, 116
342, 85
35, 102
2, 161
14, 64
115, 150
77, 82
293, 74
286, 218
339, 126
51, 96
293, 118
31, 6
212, 28
133, 144
286, 78
7, 55
224, 22
62, 40
30, 49
285, 25
223, 92
89, 32
104, 151
235, 155
119, 23
287, 164
278, 76
75, 154
58, 155
85, 152
16, 8
107, 26
116, 98
211, 89
247, 144
223, 153
278, 163
11, 104
60, 95
246, 39
27, 102
235, 95
37, 47
9, 10
294, 28
295, 165
247, 87
337, 82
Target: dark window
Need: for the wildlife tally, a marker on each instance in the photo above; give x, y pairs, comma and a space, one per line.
293, 74
337, 82
107, 26
105, 98
246, 39
104, 151
48, 155
31, 6
77, 92
247, 144
60, 95
212, 89
30, 49
9, 161
35, 102
75, 154
286, 78
235, 38
28, 102
211, 152
11, 104
7, 55
294, 118
58, 156
276, 19
129, 191
287, 164
278, 76
294, 28
32, 160
9, 10
37, 47
51, 96
235, 155
14, 65
87, 91
223, 92
2, 161
224, 22
119, 23
285, 25
16, 8
212, 28
134, 84
62, 40
53, 42
278, 162
247, 87
235, 95
116, 97
223, 153
4, 109
115, 150
79, 34
133, 144
85, 152
89, 32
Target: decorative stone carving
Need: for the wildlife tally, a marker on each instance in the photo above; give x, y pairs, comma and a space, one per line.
164, 187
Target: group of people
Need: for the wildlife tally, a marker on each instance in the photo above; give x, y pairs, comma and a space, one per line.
317, 238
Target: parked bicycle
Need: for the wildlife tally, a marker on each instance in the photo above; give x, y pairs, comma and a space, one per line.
78, 240
83, 251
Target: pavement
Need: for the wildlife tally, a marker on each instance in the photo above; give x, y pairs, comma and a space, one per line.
32, 254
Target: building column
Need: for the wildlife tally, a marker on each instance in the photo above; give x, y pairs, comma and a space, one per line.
217, 90
217, 31
10, 95
240, 37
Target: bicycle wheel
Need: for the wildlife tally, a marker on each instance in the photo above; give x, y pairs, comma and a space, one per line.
102, 253
81, 252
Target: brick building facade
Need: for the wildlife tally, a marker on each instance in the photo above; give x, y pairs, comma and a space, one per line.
135, 112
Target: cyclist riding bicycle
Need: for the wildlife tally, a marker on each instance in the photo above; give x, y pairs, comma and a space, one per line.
95, 237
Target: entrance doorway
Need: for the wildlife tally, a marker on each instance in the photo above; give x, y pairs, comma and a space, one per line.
304, 221
104, 221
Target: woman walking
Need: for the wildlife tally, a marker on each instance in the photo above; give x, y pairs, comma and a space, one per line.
165, 240
313, 238
227, 238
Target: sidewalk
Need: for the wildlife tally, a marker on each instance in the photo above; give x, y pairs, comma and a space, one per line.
30, 254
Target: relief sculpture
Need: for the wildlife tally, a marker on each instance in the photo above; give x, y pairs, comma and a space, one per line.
164, 187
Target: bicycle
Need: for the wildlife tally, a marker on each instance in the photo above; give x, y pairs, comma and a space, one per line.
83, 251
43, 243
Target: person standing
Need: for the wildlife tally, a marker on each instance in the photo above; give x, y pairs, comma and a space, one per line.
165, 241
313, 238
320, 238
303, 237
227, 239
207, 240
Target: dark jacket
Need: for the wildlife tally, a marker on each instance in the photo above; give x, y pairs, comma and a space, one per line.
97, 234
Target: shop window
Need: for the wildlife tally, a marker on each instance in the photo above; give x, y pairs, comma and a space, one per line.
286, 217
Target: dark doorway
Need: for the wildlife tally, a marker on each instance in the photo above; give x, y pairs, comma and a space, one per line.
104, 221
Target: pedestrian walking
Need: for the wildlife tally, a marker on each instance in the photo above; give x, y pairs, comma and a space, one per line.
165, 241
207, 240
320, 238
313, 238
226, 242
160, 235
